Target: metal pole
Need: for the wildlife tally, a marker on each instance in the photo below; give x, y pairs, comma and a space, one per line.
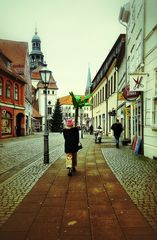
81, 116
46, 140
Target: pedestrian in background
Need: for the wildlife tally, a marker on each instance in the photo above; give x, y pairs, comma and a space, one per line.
71, 137
117, 130
91, 129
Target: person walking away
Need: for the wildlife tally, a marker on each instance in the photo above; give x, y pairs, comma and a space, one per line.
91, 129
71, 137
117, 130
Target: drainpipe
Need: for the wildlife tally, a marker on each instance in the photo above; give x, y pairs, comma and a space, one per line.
126, 35
142, 93
107, 109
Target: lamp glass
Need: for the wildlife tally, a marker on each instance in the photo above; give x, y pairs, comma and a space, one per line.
45, 75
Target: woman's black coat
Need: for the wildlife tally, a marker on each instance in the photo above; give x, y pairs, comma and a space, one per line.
71, 136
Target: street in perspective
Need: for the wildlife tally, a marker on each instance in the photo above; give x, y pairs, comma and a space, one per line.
78, 120
22, 166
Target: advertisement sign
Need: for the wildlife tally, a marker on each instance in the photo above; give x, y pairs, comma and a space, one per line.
138, 81
130, 95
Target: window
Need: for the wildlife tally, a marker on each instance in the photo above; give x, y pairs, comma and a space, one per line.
98, 99
6, 122
148, 112
49, 110
8, 90
108, 88
138, 49
105, 91
103, 94
111, 85
154, 112
115, 85
1, 87
16, 92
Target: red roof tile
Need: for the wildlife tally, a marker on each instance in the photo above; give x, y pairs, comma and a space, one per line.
15, 50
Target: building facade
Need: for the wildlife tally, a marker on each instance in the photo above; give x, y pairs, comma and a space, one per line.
18, 53
12, 100
104, 89
141, 54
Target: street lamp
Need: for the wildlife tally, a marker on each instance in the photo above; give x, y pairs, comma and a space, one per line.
45, 77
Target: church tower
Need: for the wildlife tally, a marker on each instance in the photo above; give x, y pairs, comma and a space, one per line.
88, 84
36, 56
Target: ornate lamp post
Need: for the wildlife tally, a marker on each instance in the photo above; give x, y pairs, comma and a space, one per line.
45, 77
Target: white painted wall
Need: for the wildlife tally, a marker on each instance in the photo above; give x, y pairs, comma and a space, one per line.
150, 54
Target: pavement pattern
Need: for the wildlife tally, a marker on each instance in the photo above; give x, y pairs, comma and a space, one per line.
138, 176
21, 166
92, 204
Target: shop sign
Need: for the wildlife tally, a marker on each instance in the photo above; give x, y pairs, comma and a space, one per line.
137, 81
130, 95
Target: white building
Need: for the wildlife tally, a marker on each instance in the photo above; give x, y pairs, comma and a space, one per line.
38, 90
104, 89
140, 20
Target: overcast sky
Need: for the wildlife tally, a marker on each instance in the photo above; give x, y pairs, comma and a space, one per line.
74, 34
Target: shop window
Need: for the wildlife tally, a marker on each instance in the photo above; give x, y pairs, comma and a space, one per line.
6, 122
16, 92
8, 90
1, 87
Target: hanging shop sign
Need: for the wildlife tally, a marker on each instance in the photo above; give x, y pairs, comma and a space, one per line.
130, 95
138, 81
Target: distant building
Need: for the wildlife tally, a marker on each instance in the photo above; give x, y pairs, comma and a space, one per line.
89, 82
104, 89
68, 110
36, 56
38, 96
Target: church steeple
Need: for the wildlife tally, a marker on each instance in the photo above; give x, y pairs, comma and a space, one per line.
88, 84
36, 56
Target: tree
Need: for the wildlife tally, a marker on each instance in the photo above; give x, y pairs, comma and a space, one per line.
56, 123
79, 102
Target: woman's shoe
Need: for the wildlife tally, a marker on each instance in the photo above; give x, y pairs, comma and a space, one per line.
70, 173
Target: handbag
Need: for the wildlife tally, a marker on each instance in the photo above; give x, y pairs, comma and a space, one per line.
69, 160
79, 146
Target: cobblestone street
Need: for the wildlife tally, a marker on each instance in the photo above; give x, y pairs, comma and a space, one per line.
21, 165
138, 176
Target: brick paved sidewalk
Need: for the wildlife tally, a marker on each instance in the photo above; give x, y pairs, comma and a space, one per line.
92, 205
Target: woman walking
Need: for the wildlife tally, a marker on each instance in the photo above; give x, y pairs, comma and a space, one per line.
71, 137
